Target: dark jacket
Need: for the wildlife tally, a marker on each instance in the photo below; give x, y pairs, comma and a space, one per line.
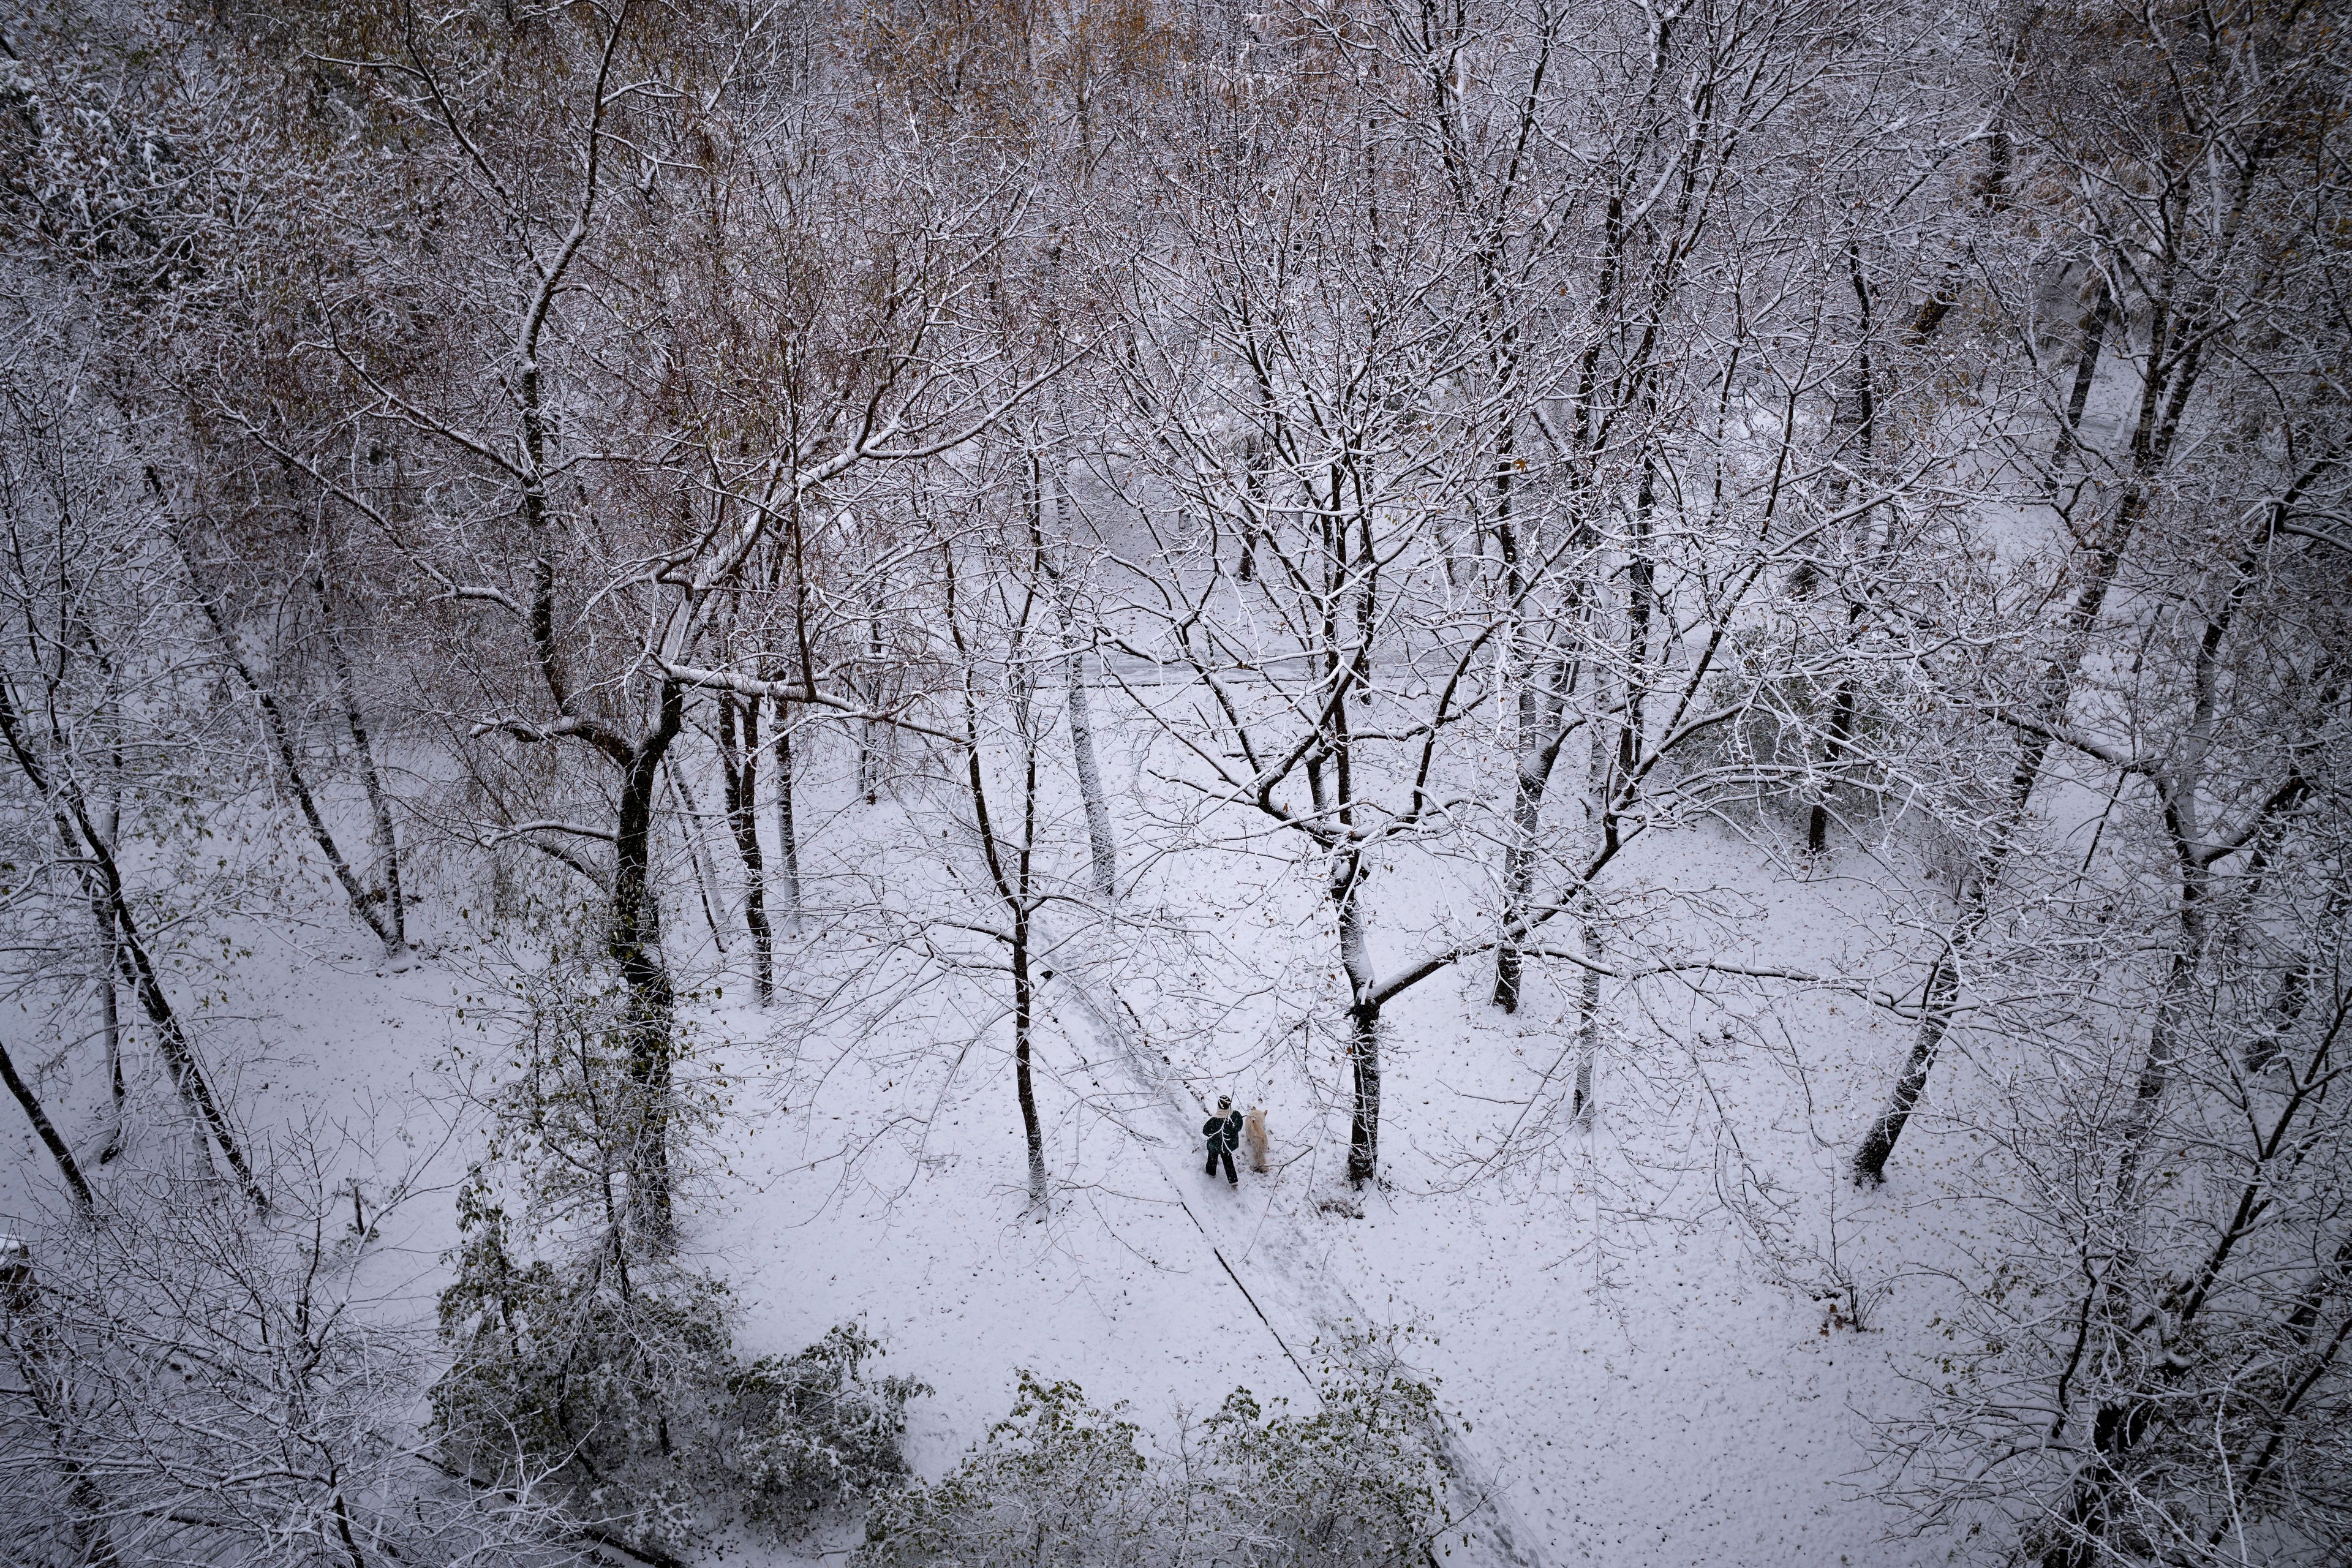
1224, 1132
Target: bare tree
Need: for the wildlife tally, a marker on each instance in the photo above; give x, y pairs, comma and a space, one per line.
2200, 297
72, 648
606, 630
182, 1383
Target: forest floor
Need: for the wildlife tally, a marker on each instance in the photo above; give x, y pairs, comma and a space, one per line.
1650, 1378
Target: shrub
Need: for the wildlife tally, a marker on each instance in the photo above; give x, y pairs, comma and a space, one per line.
1057, 1483
614, 1384
1352, 1484
1062, 1484
811, 1429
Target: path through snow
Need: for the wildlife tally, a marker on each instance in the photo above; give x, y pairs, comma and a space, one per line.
1262, 1254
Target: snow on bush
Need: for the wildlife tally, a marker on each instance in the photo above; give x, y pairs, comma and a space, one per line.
1061, 1482
613, 1382
814, 1428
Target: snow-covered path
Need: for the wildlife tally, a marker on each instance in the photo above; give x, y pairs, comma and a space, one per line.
1259, 1247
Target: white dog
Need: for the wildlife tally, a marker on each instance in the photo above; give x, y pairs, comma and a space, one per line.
1253, 1137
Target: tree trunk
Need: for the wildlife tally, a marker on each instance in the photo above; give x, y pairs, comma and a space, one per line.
2086, 372
1011, 882
1519, 882
1940, 998
1364, 1115
289, 759
1865, 421
47, 1375
379, 801
1588, 1028
109, 1023
1935, 1017
2156, 1067
635, 947
1024, 1010
698, 857
1103, 850
1977, 888
869, 754
47, 1132
1011, 886
788, 838
179, 1054
1543, 731
70, 815
2159, 417
1842, 715
1363, 1020
740, 764
1023, 1018
1641, 607
110, 1002
1253, 489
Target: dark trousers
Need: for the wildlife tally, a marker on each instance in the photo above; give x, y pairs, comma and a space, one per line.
1219, 1152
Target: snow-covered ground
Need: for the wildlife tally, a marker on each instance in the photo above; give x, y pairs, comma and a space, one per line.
1651, 1379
